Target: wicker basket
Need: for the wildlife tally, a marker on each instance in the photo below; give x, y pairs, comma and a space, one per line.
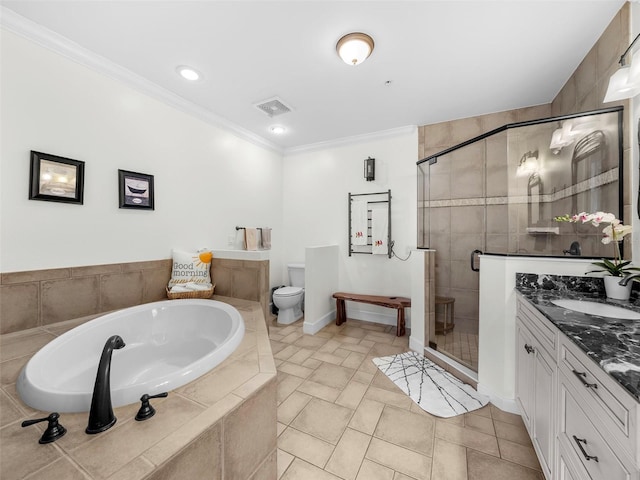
192, 294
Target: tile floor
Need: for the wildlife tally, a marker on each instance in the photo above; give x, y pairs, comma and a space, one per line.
339, 418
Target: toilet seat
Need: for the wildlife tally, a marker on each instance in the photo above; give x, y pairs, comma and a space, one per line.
288, 291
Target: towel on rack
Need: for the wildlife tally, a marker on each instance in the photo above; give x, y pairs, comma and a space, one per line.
250, 238
359, 222
379, 231
266, 238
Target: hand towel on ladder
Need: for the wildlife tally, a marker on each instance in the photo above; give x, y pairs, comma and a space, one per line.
379, 231
266, 238
251, 238
359, 223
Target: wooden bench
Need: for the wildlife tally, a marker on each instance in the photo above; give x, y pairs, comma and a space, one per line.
399, 303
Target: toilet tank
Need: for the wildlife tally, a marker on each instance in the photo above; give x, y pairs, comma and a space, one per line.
296, 274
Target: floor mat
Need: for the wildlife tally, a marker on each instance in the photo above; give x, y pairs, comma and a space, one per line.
430, 386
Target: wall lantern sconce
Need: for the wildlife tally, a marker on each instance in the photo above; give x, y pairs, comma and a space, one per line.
370, 169
625, 83
355, 48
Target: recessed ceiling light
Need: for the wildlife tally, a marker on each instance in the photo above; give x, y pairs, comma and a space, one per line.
188, 73
277, 129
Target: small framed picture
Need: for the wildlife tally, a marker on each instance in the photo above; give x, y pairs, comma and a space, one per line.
56, 179
136, 190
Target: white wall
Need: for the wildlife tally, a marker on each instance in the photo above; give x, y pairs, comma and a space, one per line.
497, 336
315, 211
321, 278
207, 180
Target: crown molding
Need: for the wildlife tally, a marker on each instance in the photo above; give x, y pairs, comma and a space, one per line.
355, 139
63, 46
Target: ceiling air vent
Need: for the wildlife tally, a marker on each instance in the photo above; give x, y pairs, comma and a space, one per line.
273, 107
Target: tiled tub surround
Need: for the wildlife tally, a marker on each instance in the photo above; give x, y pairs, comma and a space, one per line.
40, 298
222, 425
613, 344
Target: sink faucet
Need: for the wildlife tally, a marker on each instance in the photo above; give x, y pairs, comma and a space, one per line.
629, 277
101, 416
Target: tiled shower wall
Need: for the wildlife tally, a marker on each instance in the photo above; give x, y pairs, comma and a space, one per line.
42, 297
583, 91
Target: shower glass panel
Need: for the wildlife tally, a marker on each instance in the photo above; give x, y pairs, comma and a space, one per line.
498, 194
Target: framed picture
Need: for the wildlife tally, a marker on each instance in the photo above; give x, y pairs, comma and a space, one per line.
136, 190
56, 179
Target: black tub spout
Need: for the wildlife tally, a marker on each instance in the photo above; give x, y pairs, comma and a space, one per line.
101, 416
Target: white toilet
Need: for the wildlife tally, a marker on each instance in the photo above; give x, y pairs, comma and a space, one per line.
289, 300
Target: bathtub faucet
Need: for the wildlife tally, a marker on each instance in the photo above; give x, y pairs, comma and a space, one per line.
101, 416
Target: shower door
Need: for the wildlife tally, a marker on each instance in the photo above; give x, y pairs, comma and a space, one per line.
498, 194
461, 216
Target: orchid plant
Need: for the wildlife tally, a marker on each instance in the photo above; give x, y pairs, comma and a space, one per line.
614, 232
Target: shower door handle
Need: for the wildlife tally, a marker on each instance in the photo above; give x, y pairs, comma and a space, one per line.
473, 260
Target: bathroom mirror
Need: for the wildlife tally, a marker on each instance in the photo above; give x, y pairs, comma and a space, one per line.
505, 187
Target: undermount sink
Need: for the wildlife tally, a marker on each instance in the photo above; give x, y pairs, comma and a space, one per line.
595, 308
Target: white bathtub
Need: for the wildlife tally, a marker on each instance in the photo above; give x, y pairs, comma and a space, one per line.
168, 344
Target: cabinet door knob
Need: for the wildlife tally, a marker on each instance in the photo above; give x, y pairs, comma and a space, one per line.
529, 348
582, 377
579, 442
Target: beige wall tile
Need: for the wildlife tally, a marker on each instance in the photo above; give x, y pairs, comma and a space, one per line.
154, 284
68, 299
93, 270
200, 459
120, 290
19, 307
268, 470
34, 276
250, 433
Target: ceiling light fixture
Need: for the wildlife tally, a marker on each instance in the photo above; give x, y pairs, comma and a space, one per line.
277, 129
188, 73
625, 82
355, 48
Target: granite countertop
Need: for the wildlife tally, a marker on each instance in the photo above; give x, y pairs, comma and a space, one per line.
613, 344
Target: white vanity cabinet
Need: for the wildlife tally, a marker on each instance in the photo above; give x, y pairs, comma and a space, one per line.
583, 424
536, 383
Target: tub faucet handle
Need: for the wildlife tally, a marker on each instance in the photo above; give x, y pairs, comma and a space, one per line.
146, 410
54, 430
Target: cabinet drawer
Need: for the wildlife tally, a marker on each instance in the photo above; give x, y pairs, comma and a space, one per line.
544, 331
585, 445
616, 408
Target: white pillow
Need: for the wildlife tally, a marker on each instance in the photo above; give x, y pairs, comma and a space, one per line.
190, 267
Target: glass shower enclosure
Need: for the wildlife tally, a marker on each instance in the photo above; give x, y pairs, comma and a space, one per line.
499, 193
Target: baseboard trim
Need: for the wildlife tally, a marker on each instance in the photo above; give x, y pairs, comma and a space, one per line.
311, 328
504, 404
